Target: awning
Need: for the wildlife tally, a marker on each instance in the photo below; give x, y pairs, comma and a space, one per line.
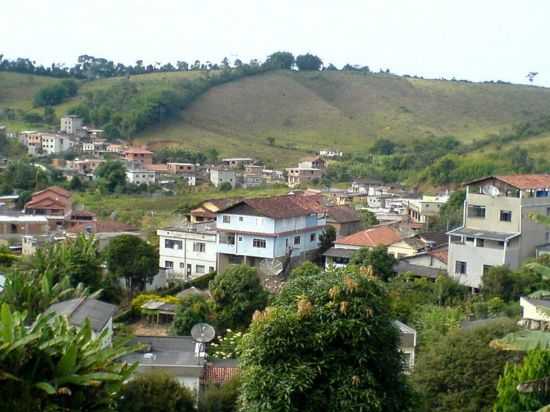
483, 234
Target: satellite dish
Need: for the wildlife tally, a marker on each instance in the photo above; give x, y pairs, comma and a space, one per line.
203, 332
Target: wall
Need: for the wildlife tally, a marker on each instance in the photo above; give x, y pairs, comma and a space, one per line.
493, 206
530, 311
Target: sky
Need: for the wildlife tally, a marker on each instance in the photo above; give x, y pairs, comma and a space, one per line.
465, 39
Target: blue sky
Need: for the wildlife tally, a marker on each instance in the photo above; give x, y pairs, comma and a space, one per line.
474, 40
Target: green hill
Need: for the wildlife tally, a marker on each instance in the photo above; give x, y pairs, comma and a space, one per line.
307, 111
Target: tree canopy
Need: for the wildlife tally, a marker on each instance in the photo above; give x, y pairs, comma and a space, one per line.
192, 309
327, 343
378, 257
281, 60
308, 62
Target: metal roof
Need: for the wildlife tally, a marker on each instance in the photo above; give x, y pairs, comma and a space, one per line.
164, 351
80, 309
484, 234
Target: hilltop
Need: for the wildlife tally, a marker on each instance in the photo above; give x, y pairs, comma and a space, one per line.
306, 111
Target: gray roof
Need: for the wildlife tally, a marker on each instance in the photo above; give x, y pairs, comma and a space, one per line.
538, 302
405, 267
339, 252
407, 335
80, 309
484, 234
167, 351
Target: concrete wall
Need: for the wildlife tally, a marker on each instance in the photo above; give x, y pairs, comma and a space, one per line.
493, 206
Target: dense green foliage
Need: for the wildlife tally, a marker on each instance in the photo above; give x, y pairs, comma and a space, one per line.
377, 258
47, 365
55, 94
192, 309
280, 60
326, 239
111, 176
328, 343
368, 218
459, 371
536, 365
155, 392
132, 259
221, 398
308, 62
305, 269
21, 175
501, 282
237, 294
170, 154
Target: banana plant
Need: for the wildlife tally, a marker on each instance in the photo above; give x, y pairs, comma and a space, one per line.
50, 364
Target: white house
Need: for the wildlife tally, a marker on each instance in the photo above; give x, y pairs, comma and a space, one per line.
220, 175
55, 143
141, 176
70, 124
188, 251
269, 233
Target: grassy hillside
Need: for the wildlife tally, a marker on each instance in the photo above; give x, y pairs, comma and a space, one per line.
307, 111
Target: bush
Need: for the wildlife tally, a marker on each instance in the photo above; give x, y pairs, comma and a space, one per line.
155, 392
225, 187
305, 269
221, 398
192, 309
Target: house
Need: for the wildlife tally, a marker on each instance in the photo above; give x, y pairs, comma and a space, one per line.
70, 124
331, 154
31, 243
407, 345
78, 310
55, 143
15, 225
115, 148
269, 233
418, 243
174, 355
237, 162
8, 202
345, 220
85, 166
422, 210
340, 254
207, 210
141, 176
298, 176
431, 263
54, 203
138, 157
188, 251
313, 162
250, 180
369, 186
273, 176
180, 168
223, 174
535, 310
497, 227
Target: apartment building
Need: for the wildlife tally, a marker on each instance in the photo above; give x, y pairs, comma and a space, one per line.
269, 233
498, 228
224, 174
188, 251
180, 168
237, 162
301, 176
138, 157
70, 124
141, 176
422, 210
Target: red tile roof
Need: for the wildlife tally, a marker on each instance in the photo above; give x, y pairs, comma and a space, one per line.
372, 237
281, 207
219, 375
55, 189
522, 182
134, 150
441, 254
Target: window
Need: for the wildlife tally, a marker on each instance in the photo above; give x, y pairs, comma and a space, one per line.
168, 264
241, 218
260, 243
199, 247
199, 269
297, 240
228, 239
210, 269
312, 237
480, 243
505, 216
476, 211
172, 244
226, 219
469, 239
460, 267
182, 265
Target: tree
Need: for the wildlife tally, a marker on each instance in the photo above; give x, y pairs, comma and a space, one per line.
326, 344
535, 365
49, 115
222, 398
378, 258
499, 281
76, 259
368, 218
111, 176
225, 187
450, 214
237, 294
48, 365
133, 259
191, 310
155, 392
270, 140
305, 269
308, 62
459, 372
383, 147
76, 184
280, 60
326, 239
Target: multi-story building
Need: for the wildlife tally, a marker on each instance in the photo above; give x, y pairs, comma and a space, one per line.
498, 225
314, 162
220, 175
55, 143
141, 176
237, 162
300, 176
15, 225
269, 233
70, 124
422, 210
180, 168
54, 203
138, 157
188, 251
252, 180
